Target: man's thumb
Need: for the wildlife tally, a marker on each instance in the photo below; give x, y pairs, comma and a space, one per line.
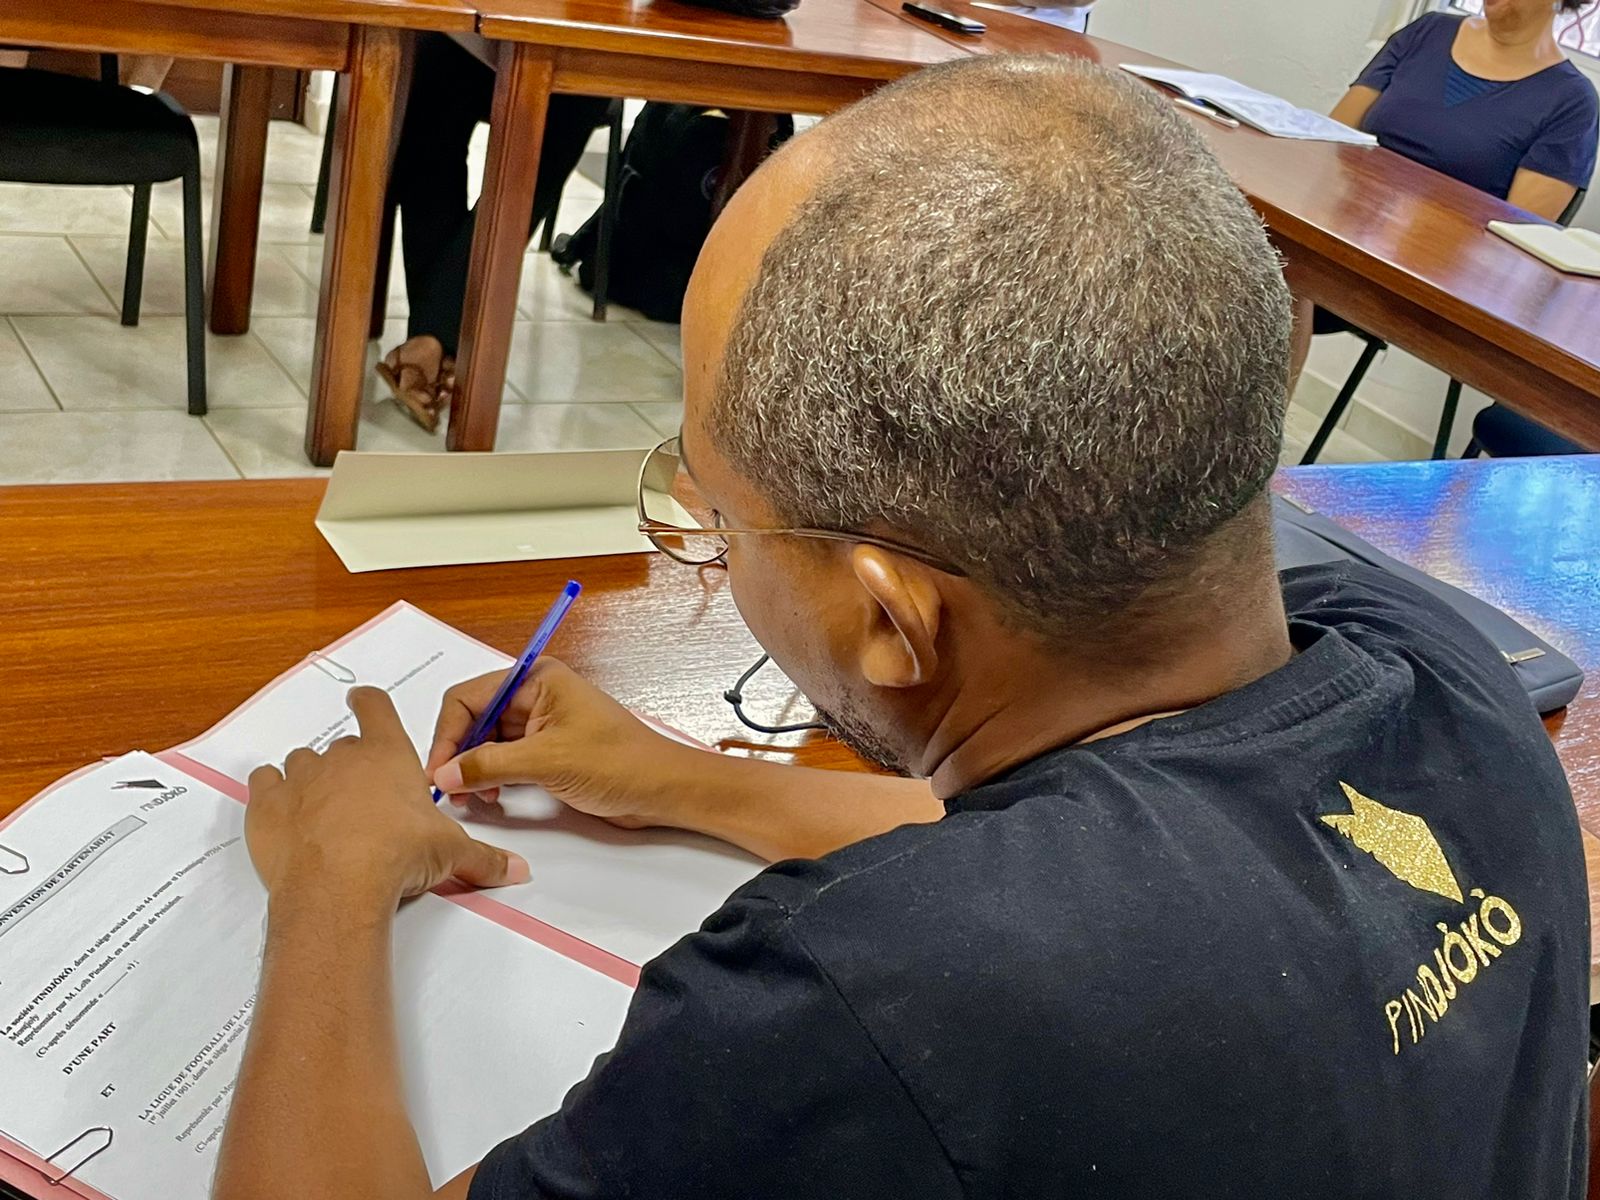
483, 865
489, 765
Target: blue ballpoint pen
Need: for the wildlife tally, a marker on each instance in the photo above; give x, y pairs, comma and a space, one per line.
485, 724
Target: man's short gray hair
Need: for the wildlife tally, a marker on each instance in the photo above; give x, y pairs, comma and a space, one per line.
1025, 322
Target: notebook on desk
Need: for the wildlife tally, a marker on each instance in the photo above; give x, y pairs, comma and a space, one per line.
124, 1007
1575, 251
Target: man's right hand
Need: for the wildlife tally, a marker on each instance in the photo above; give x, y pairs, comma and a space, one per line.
565, 735
560, 733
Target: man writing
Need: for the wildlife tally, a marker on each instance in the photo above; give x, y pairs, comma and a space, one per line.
1218, 884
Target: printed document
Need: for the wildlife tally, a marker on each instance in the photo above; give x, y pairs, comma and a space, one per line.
632, 893
129, 954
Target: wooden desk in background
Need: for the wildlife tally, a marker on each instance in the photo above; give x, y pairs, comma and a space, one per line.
822, 56
140, 614
363, 39
1400, 250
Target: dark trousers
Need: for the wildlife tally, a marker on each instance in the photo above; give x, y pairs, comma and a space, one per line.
451, 92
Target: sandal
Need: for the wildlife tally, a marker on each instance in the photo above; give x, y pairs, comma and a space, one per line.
413, 393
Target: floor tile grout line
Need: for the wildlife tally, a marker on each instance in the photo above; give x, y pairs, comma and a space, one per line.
304, 390
116, 305
634, 326
38, 370
232, 462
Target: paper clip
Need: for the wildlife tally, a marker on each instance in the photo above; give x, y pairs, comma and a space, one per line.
7, 852
105, 1129
332, 669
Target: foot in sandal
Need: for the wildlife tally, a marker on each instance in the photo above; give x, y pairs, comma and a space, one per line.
420, 377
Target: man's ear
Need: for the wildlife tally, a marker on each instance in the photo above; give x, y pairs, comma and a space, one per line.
902, 622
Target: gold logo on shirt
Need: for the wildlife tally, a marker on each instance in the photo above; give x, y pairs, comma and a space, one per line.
1406, 847
1402, 842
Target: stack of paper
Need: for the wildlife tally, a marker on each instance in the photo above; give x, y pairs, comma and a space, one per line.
1266, 112
1575, 251
131, 925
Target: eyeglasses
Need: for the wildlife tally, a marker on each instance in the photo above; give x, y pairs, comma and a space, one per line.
668, 499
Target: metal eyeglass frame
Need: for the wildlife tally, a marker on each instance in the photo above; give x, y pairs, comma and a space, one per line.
656, 530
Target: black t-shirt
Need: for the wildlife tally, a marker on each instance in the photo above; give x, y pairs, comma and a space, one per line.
1326, 936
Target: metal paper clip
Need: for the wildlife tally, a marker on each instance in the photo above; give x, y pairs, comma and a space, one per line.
1521, 656
6, 854
332, 669
101, 1149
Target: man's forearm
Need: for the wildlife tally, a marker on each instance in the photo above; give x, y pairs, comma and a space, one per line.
777, 811
319, 1111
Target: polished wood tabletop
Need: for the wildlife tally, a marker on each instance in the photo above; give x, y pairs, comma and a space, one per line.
139, 614
448, 16
824, 33
1398, 248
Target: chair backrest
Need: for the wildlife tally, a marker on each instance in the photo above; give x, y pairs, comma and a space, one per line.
1571, 210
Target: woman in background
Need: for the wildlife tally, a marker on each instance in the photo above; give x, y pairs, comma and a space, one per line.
1490, 100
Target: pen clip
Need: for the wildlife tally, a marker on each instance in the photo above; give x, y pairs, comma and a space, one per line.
52, 1180
6, 853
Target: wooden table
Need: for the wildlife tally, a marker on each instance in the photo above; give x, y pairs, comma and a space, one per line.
362, 38
1394, 247
139, 614
822, 56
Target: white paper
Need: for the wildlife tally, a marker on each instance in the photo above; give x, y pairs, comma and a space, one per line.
630, 892
406, 652
129, 957
1069, 16
1266, 112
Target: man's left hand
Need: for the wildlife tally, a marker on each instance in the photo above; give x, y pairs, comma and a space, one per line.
359, 818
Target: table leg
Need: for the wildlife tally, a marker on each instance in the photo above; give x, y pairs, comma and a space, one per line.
505, 207
350, 254
236, 206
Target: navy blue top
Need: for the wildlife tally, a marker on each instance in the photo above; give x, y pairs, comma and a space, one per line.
1481, 131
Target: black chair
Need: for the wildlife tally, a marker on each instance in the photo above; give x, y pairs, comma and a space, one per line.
60, 129
1500, 427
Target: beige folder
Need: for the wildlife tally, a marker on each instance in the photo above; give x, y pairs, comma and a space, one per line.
384, 511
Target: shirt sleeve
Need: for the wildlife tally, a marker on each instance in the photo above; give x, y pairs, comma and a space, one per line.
1377, 73
1565, 147
740, 1071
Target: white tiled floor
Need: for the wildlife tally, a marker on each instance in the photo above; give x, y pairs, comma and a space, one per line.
82, 398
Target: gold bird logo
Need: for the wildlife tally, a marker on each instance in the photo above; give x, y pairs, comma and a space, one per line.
1402, 842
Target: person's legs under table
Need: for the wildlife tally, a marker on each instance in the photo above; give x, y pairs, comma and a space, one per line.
452, 91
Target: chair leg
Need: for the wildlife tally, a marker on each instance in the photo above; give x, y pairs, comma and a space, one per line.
194, 289
1447, 419
548, 231
1341, 401
319, 203
608, 210
138, 234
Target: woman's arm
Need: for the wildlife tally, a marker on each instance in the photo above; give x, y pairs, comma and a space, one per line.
1352, 109
1540, 194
